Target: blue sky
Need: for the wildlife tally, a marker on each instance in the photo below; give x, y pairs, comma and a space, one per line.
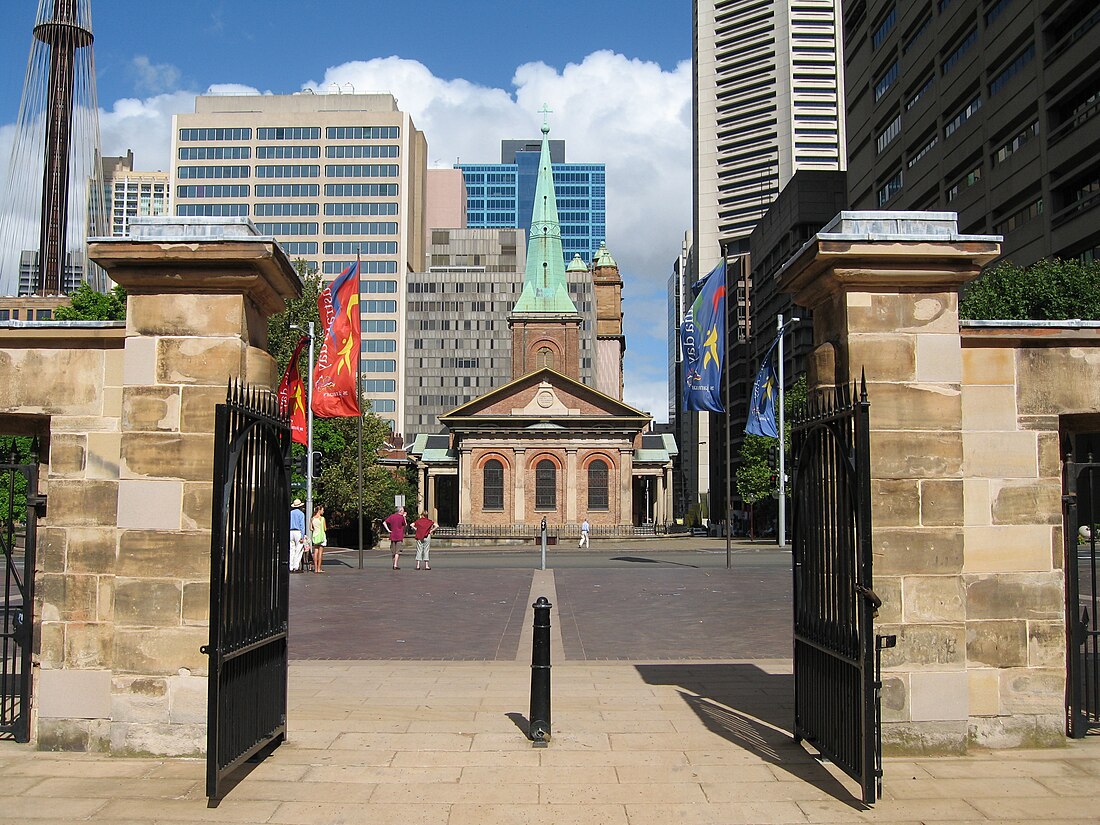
616, 74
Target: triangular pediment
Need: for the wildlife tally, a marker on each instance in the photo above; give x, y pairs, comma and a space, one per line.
544, 395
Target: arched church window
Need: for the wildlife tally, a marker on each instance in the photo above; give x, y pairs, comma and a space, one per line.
492, 485
546, 485
597, 485
544, 358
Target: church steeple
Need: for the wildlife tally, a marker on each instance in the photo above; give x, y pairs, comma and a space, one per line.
544, 284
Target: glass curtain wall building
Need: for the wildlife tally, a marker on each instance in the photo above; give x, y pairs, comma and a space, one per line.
330, 176
502, 195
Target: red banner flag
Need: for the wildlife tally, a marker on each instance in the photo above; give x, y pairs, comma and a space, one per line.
292, 395
335, 376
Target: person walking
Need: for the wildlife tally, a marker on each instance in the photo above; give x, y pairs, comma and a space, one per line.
297, 530
319, 535
585, 529
423, 528
395, 523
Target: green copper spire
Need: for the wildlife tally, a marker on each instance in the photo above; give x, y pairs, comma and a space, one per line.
544, 284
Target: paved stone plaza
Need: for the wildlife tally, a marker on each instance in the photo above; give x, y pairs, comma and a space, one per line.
422, 718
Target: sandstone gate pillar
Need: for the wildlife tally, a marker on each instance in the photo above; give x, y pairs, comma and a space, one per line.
883, 287
199, 296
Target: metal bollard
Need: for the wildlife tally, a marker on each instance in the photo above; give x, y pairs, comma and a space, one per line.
543, 529
539, 730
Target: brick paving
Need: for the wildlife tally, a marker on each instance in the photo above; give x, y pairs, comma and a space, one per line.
653, 613
381, 614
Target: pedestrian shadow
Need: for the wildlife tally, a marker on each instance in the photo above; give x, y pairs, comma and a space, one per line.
752, 709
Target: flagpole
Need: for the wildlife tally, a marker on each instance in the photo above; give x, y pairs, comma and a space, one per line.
781, 532
726, 371
309, 435
359, 397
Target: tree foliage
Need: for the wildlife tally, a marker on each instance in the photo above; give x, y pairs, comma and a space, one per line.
88, 305
1048, 290
757, 469
336, 438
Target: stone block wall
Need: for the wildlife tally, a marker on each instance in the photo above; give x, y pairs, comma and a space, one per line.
127, 415
965, 480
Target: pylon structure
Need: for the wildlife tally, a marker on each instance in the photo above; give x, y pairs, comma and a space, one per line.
53, 198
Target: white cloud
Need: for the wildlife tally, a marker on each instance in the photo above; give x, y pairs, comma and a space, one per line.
631, 115
155, 78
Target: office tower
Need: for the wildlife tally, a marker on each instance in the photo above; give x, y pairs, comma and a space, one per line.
980, 107
52, 199
129, 194
502, 194
767, 102
332, 177
457, 317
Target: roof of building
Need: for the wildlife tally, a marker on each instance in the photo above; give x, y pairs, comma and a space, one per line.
544, 284
658, 447
434, 448
577, 264
603, 257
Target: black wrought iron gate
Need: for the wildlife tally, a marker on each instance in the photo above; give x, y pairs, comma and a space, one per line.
20, 506
250, 545
836, 690
1081, 498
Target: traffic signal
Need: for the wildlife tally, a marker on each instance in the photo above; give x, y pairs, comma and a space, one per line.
318, 463
298, 464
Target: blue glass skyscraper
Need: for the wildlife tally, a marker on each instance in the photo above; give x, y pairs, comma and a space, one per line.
502, 194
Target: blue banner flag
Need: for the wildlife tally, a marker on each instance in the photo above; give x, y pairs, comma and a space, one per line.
765, 394
703, 343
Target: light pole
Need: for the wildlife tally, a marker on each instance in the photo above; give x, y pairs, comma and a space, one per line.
781, 532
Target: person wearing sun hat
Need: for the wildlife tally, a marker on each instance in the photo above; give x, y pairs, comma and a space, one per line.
297, 530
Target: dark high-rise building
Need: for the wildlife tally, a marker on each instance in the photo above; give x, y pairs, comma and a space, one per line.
987, 108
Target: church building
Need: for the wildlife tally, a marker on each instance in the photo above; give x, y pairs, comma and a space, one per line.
547, 445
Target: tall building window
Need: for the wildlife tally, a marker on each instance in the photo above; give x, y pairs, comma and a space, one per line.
546, 485
1011, 70
597, 485
884, 28
958, 120
492, 485
1004, 152
953, 58
892, 187
887, 135
886, 81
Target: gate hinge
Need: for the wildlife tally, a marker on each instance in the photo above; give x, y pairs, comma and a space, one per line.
39, 504
1069, 499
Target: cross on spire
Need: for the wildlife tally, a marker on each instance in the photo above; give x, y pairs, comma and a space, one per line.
544, 111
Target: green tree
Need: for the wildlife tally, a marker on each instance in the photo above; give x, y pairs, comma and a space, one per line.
88, 305
1048, 290
336, 438
757, 468
13, 488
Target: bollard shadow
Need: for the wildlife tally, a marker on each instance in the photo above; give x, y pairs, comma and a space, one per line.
753, 709
644, 560
521, 722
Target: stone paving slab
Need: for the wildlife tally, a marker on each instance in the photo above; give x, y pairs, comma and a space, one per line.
713, 747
